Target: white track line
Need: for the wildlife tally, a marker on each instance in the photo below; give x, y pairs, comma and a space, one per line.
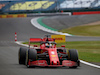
93, 65
37, 25
20, 43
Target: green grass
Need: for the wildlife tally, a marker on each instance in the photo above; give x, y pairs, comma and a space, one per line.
86, 30
88, 50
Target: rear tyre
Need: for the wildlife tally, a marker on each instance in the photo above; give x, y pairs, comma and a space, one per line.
31, 55
22, 55
73, 56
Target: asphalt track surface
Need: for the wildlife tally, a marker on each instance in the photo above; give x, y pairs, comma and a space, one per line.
62, 22
9, 51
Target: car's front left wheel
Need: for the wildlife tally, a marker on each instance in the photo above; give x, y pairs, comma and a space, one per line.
31, 55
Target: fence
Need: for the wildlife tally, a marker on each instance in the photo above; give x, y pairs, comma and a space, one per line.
47, 6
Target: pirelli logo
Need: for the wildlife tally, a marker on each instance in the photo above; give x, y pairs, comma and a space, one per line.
59, 38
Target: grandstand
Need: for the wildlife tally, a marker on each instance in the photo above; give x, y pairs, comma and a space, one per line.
47, 6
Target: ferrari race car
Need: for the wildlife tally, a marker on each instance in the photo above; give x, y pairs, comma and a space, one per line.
47, 54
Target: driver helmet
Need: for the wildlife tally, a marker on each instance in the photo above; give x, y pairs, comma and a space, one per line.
48, 45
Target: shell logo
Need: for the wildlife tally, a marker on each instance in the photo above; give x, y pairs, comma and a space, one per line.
53, 55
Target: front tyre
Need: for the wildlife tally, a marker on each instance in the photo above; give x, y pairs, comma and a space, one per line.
22, 55
31, 55
73, 56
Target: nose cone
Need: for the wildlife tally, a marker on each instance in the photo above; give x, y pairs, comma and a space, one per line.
55, 63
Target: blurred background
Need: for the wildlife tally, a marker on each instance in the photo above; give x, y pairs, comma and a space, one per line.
47, 6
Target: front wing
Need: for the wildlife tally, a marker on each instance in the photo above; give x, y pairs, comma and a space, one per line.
43, 63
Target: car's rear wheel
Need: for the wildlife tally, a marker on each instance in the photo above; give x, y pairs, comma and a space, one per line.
31, 55
73, 56
22, 55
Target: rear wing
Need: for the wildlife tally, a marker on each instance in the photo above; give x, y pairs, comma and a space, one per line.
40, 40
48, 39
35, 40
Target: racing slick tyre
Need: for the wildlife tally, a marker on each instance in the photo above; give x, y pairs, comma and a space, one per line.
73, 56
22, 55
31, 55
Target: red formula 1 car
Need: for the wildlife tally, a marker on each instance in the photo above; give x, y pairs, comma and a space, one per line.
48, 55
